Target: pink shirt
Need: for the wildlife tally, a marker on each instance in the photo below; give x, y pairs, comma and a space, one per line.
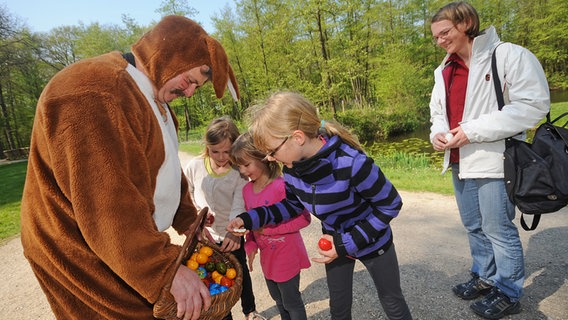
282, 250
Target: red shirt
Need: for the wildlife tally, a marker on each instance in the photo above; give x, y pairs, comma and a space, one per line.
455, 78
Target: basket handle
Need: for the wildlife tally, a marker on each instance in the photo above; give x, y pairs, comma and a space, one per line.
165, 306
191, 240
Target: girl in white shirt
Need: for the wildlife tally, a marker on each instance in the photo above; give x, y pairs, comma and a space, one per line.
215, 183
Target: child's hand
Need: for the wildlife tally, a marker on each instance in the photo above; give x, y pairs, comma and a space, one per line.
210, 219
230, 243
235, 227
251, 259
328, 255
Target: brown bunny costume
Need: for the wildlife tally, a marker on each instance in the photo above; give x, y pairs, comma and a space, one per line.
104, 180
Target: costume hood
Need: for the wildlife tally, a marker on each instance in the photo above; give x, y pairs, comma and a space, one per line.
177, 44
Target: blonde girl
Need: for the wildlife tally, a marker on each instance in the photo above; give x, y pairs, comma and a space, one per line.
327, 172
214, 182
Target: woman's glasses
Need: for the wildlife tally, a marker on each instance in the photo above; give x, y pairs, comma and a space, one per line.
442, 35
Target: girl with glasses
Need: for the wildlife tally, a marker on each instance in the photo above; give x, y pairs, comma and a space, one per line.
327, 172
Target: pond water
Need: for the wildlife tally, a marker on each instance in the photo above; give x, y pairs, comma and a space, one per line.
416, 143
559, 95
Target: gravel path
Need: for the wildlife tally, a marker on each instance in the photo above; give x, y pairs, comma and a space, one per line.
433, 256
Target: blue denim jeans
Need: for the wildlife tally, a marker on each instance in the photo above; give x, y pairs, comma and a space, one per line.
494, 242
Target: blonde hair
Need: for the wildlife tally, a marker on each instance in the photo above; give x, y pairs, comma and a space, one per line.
243, 149
218, 131
284, 112
460, 12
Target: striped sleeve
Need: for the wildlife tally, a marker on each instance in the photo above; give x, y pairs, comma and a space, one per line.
370, 182
279, 212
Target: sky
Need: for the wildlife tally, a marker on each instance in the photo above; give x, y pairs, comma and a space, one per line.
43, 15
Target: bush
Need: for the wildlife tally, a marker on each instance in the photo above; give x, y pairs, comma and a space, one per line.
362, 124
373, 125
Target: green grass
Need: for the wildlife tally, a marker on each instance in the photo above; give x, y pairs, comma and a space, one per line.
421, 180
558, 109
412, 170
12, 178
415, 173
192, 147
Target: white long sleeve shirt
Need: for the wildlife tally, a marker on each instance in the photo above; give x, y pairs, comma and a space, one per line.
221, 193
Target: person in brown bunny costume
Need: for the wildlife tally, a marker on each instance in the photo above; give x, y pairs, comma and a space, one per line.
104, 180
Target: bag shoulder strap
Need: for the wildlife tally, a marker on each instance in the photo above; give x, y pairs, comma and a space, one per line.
559, 130
496, 81
497, 85
534, 224
560, 117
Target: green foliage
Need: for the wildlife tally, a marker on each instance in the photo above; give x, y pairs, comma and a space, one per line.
95, 39
412, 165
371, 125
404, 160
419, 179
541, 27
415, 148
12, 178
356, 57
176, 7
362, 123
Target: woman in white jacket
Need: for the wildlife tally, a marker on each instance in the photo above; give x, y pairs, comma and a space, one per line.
468, 126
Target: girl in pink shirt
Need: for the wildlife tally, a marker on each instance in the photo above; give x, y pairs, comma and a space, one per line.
282, 250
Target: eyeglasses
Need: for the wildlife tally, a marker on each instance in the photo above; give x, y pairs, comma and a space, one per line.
273, 152
442, 35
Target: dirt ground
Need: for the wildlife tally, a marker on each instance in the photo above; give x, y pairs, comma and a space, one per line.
433, 256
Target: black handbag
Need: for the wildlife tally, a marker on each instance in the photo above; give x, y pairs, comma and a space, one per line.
536, 174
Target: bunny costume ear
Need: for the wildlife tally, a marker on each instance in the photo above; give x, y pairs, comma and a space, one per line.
177, 44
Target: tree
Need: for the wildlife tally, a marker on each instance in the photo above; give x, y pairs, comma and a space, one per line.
58, 47
542, 29
19, 85
176, 7
351, 58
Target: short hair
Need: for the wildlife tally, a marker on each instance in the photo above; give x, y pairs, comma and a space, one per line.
460, 12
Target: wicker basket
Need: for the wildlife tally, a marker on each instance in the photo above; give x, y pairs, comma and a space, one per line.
222, 303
